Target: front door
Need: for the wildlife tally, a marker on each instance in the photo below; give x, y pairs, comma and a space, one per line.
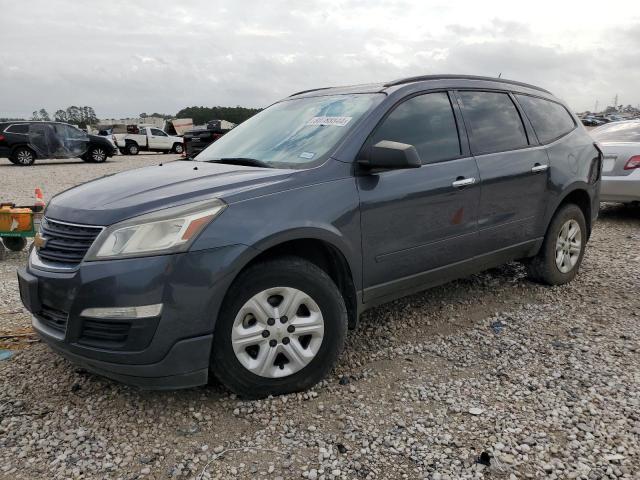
513, 170
417, 220
158, 140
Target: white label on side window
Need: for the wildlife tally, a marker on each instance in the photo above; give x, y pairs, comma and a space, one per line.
333, 121
307, 155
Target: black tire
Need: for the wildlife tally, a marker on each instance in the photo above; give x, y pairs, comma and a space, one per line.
177, 148
291, 272
23, 156
543, 268
15, 244
96, 155
132, 149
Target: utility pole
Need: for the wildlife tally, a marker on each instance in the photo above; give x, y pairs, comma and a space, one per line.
615, 102
595, 109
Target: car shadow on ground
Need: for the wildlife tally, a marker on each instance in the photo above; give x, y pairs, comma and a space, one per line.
619, 212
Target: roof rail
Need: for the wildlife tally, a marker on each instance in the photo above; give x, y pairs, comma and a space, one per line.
419, 78
310, 90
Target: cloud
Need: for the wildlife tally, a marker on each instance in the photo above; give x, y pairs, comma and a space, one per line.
126, 57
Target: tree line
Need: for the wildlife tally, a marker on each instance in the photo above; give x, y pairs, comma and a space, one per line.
83, 116
202, 115
80, 116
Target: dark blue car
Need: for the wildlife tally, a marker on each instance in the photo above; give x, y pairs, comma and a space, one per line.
252, 262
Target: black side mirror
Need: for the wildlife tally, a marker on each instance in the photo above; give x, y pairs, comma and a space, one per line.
391, 155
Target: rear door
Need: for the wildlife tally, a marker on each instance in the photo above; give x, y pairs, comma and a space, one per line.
514, 170
419, 219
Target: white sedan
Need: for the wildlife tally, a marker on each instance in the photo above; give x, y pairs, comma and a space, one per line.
620, 142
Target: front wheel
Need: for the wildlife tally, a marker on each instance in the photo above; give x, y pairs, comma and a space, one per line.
178, 148
561, 253
281, 329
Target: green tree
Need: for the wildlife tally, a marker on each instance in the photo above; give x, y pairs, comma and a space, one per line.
44, 115
60, 116
35, 115
201, 115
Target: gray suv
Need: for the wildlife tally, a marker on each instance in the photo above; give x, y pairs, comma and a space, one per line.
251, 263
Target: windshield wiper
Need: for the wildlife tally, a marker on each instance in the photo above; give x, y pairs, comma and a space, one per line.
249, 162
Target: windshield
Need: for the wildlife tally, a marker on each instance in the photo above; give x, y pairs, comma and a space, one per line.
297, 133
617, 132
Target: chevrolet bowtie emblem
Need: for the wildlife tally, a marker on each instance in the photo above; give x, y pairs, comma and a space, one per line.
39, 241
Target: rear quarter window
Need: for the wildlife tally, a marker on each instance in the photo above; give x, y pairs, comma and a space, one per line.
22, 128
550, 120
495, 124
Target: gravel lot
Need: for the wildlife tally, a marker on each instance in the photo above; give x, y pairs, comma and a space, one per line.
534, 382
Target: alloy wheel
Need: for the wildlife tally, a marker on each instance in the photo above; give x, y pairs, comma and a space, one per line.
277, 332
24, 157
98, 155
568, 246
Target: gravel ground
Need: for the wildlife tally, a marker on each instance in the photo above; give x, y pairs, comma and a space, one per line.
491, 376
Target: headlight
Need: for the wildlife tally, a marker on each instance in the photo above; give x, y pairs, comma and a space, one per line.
166, 231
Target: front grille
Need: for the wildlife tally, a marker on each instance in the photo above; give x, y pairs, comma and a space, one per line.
66, 243
101, 333
53, 318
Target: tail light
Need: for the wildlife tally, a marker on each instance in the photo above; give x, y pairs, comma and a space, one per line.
633, 162
1, 138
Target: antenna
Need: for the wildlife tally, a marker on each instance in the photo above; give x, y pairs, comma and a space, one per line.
500, 75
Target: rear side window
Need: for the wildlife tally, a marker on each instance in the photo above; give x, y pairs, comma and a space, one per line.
550, 120
494, 122
22, 128
427, 123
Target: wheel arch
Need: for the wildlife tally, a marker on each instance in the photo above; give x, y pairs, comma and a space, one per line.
24, 145
578, 195
318, 249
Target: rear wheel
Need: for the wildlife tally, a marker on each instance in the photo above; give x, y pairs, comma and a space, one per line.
97, 155
132, 149
15, 244
561, 253
23, 156
281, 329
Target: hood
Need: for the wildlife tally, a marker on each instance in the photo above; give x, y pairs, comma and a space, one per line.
124, 195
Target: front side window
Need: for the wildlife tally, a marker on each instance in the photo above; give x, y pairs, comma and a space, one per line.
296, 133
617, 132
426, 122
494, 122
550, 120
158, 133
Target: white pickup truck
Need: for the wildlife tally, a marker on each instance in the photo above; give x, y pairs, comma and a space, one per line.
146, 139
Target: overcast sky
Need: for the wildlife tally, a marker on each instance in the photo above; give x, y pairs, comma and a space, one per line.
128, 57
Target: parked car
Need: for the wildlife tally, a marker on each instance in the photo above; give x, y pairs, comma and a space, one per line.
620, 142
198, 139
136, 139
590, 121
24, 142
250, 263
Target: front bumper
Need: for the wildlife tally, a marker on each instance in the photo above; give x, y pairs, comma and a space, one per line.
621, 189
164, 352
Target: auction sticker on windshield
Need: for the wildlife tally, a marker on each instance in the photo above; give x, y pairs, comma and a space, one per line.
333, 121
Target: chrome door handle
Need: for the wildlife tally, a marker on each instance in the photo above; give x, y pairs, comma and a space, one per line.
463, 182
539, 168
